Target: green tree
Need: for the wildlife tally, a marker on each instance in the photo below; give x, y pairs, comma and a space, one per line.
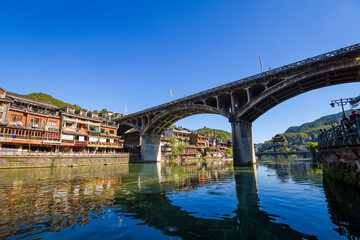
229, 151
173, 141
223, 135
104, 111
207, 149
207, 130
181, 148
313, 147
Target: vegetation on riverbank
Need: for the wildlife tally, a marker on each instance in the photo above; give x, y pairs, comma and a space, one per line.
345, 172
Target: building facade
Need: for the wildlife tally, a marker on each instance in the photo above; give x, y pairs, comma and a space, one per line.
27, 124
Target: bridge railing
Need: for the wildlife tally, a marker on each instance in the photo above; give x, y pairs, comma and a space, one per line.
338, 52
338, 135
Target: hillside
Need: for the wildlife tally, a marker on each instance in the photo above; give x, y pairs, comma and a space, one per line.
220, 133
307, 132
48, 98
318, 123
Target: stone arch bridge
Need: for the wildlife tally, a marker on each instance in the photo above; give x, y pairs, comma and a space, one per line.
243, 101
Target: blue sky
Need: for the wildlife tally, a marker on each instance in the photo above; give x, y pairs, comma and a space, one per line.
114, 54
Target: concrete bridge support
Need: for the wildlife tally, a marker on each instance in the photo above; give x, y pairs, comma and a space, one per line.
150, 147
243, 146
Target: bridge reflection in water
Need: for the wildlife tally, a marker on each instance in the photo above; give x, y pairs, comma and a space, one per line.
155, 209
80, 202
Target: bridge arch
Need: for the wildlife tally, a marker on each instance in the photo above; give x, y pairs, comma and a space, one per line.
126, 126
167, 118
281, 91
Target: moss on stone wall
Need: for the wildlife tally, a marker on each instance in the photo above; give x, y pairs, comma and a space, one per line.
15, 160
344, 172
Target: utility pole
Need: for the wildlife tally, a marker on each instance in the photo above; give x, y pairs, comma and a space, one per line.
341, 102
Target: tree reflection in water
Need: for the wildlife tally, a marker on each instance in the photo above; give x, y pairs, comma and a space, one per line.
35, 201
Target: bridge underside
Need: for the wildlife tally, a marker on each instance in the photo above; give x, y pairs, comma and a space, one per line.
293, 87
167, 119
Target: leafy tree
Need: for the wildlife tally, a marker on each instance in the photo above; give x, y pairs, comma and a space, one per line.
204, 131
181, 148
222, 134
173, 141
313, 147
177, 150
104, 111
207, 149
229, 151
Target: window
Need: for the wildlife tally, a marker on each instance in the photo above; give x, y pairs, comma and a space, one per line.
112, 132
51, 123
36, 120
16, 118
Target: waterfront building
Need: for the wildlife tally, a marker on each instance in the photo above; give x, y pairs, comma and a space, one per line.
166, 149
198, 140
84, 131
181, 134
191, 151
27, 124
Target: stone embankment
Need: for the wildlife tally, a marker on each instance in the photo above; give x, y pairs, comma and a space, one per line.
26, 161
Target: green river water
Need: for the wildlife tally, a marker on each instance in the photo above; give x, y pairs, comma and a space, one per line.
279, 199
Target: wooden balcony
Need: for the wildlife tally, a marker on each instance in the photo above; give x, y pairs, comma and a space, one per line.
69, 129
81, 143
67, 142
105, 145
35, 125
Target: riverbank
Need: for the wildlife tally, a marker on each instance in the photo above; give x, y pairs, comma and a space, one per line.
64, 161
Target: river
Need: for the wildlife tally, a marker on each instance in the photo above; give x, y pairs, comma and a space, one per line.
278, 199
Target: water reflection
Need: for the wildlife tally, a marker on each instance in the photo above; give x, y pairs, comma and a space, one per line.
155, 209
40, 200
344, 207
296, 171
187, 201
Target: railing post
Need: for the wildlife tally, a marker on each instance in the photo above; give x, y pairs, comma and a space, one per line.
334, 134
344, 131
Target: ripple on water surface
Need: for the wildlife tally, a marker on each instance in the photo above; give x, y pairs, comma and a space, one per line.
278, 200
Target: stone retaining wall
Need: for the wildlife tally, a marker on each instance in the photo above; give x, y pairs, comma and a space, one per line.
342, 164
26, 161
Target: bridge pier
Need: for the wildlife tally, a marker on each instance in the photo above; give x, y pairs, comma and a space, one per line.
150, 147
243, 146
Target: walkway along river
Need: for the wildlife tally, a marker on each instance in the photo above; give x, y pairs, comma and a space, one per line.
272, 200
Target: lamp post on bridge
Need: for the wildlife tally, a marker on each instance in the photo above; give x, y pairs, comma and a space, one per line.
341, 102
